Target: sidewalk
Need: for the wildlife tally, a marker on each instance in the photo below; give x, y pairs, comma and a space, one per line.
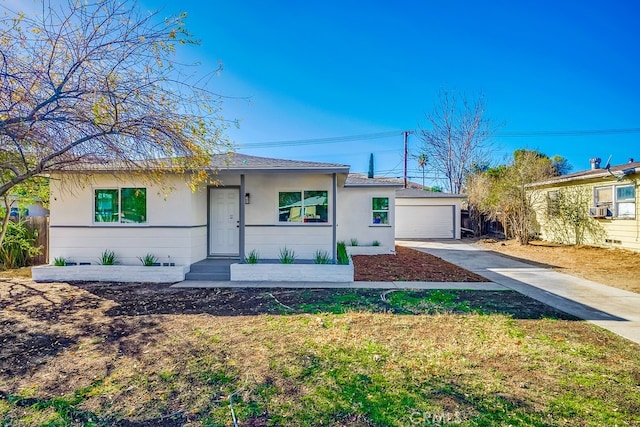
614, 309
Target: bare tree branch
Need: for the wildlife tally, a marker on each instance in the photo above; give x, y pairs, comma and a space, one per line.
457, 135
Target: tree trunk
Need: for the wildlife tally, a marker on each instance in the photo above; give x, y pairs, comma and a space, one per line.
5, 220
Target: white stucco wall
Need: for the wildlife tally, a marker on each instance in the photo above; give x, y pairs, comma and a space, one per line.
266, 234
172, 231
176, 228
355, 220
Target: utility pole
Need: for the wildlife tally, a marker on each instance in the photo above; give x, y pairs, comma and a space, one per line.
406, 155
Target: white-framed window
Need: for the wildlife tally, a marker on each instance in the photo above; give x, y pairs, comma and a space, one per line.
127, 205
626, 201
553, 203
308, 206
620, 200
380, 210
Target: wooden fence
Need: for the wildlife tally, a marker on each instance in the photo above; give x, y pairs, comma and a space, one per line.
41, 223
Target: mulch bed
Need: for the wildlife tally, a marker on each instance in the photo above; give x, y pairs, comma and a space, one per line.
411, 266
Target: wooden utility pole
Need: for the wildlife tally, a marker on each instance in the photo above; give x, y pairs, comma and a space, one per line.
406, 155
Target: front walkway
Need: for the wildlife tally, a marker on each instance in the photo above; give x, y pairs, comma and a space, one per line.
611, 308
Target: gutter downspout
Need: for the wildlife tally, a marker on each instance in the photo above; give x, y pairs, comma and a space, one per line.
334, 249
242, 219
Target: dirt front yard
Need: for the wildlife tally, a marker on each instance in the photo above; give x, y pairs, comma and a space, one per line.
614, 267
108, 354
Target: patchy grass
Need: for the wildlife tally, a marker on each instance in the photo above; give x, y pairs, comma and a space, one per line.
95, 355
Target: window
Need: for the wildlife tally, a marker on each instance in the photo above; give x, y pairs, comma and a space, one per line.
303, 206
553, 203
620, 200
626, 201
380, 210
124, 205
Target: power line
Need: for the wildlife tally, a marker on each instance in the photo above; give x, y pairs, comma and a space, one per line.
585, 132
388, 134
314, 141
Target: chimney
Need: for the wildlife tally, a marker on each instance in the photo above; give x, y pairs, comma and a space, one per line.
630, 159
595, 162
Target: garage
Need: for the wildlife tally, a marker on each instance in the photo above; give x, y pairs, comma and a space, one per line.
427, 215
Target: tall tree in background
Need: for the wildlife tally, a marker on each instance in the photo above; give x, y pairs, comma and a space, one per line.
457, 135
503, 193
422, 164
97, 81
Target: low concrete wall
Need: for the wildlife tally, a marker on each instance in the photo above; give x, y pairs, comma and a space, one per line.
109, 273
370, 250
292, 272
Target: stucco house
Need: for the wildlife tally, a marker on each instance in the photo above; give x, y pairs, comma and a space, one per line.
258, 204
609, 196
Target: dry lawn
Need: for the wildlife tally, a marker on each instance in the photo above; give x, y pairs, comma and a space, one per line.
614, 267
91, 354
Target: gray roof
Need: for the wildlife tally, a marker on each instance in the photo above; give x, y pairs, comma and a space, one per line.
361, 180
245, 163
228, 162
613, 172
415, 193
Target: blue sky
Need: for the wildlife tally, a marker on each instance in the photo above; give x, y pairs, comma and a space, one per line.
341, 68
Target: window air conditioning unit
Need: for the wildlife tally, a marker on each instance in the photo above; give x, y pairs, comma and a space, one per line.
598, 211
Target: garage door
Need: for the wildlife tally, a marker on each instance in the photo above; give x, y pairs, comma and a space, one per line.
425, 222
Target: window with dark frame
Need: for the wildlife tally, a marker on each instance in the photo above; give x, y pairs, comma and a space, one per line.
309, 206
124, 205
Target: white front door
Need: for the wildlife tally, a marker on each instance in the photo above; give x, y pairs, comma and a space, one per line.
224, 221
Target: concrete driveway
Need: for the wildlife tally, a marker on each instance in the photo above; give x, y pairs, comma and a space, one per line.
605, 306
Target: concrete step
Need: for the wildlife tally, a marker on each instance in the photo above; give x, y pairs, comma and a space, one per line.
208, 275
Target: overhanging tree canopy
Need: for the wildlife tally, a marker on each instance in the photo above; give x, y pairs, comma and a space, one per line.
91, 82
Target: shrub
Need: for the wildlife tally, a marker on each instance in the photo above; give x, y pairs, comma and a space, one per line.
322, 257
252, 258
148, 260
343, 256
287, 256
376, 243
108, 258
354, 242
60, 261
19, 244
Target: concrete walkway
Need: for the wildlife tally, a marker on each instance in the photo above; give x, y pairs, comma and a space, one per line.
611, 308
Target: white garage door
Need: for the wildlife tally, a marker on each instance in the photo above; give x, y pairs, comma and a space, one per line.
425, 222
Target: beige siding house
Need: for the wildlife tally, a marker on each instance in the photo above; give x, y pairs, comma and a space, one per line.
259, 204
609, 196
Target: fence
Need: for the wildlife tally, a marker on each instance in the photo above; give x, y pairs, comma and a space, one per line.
41, 223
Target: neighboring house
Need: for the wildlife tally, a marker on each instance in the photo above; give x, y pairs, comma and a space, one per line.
21, 209
427, 215
611, 198
260, 204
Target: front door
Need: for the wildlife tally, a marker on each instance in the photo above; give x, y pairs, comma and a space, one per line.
224, 221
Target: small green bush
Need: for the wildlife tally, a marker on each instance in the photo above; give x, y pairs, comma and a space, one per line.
322, 257
108, 258
60, 261
148, 260
376, 243
354, 242
252, 258
19, 244
343, 256
287, 256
